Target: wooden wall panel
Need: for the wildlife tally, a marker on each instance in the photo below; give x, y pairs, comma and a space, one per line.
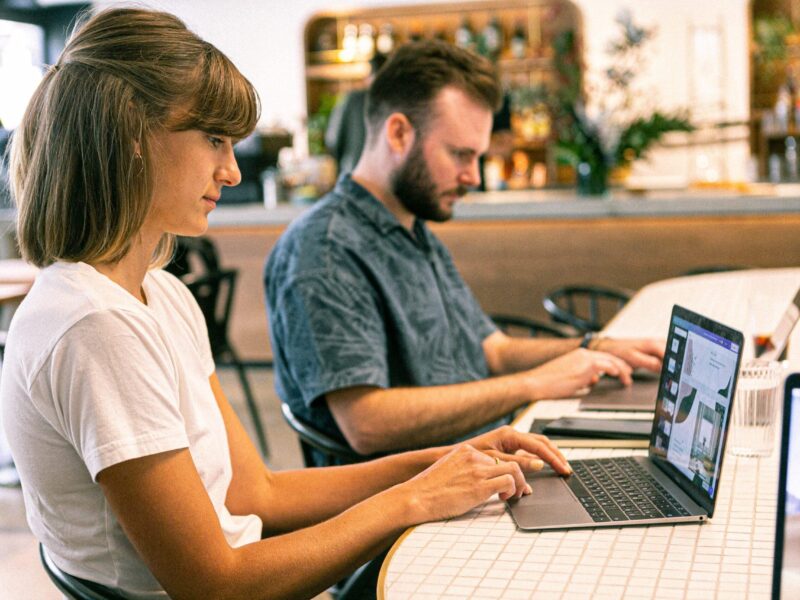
511, 265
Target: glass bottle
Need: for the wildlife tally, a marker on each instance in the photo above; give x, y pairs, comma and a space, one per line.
493, 38
464, 36
519, 42
365, 44
385, 42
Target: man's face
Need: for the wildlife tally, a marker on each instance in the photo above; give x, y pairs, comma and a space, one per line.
443, 163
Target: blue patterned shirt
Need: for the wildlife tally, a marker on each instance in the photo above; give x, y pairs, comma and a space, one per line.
354, 299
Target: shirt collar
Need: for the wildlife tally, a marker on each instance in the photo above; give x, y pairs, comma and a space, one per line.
370, 207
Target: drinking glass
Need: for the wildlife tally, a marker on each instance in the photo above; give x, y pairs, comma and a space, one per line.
755, 409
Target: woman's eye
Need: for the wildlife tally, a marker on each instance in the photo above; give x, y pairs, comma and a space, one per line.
215, 141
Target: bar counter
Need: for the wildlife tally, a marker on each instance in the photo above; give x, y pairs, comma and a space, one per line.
561, 204
514, 247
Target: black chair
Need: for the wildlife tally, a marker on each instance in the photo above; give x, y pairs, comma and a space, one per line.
512, 325
334, 451
713, 269
73, 587
585, 307
197, 265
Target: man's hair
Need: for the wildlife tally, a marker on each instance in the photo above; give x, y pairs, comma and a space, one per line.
415, 74
80, 161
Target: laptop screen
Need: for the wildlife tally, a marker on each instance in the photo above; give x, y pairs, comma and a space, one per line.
786, 579
701, 363
771, 347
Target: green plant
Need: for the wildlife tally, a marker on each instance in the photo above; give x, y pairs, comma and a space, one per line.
612, 130
318, 123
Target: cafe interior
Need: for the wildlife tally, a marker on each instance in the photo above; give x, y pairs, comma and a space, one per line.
646, 156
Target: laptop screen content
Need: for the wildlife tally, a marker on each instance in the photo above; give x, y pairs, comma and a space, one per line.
694, 399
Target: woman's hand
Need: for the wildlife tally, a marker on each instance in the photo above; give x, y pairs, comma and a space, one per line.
529, 450
470, 473
459, 481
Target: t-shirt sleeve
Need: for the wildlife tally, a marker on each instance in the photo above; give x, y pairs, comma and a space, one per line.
116, 389
330, 334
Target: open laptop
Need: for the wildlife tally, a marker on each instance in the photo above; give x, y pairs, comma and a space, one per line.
678, 480
610, 394
786, 566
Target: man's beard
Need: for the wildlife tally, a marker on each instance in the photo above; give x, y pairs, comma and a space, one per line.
413, 185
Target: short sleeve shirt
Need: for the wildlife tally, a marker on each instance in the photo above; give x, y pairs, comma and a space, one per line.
356, 299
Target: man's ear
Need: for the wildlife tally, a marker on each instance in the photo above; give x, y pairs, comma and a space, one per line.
400, 134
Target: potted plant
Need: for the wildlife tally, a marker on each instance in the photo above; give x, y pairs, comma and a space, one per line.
614, 130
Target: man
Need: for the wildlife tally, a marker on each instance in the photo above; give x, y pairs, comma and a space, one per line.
377, 339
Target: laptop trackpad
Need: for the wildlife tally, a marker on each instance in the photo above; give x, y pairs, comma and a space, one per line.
551, 504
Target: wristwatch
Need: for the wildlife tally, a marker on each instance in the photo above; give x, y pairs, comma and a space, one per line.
588, 338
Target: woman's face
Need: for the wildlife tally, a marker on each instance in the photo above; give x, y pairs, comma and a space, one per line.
189, 170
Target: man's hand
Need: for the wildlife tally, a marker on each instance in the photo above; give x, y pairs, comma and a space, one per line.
573, 373
639, 354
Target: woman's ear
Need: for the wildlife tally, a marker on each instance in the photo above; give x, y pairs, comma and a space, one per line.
400, 134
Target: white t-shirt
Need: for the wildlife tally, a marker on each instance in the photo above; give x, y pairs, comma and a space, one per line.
93, 377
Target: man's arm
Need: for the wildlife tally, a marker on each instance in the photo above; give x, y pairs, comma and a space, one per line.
378, 420
506, 354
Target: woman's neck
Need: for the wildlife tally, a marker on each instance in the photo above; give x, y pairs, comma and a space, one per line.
130, 270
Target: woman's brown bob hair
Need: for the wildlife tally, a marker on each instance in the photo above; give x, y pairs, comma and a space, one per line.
80, 171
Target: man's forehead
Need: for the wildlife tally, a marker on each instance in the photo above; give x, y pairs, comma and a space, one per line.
465, 121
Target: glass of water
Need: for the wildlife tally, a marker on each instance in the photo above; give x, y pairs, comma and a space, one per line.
755, 409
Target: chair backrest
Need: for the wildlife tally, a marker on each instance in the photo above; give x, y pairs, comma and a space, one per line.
334, 451
705, 269
514, 325
193, 255
73, 587
214, 294
585, 307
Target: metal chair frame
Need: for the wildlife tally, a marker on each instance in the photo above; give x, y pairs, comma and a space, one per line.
73, 587
565, 305
312, 439
509, 323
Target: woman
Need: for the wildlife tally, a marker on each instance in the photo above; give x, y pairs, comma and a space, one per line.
136, 473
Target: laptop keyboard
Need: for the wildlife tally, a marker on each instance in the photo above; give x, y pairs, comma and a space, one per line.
620, 489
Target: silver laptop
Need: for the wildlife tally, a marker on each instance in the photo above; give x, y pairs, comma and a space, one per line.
786, 566
610, 394
678, 480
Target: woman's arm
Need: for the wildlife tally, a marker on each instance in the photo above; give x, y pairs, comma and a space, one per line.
326, 492
165, 511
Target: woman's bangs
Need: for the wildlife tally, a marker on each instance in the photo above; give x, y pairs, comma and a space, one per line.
227, 103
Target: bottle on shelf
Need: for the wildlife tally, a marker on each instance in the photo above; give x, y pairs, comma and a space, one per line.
464, 35
782, 107
790, 156
349, 42
385, 42
518, 44
492, 38
365, 45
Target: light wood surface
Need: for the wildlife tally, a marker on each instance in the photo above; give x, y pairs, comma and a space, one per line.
510, 265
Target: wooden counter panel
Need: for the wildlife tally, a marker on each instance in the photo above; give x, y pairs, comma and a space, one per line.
511, 265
